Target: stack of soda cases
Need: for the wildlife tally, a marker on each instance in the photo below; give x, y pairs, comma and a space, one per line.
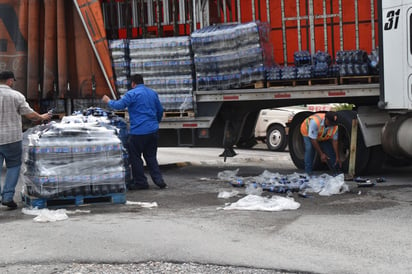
352, 62
228, 56
166, 65
120, 63
74, 157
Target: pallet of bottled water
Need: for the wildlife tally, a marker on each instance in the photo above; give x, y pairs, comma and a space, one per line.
166, 65
119, 51
81, 156
230, 55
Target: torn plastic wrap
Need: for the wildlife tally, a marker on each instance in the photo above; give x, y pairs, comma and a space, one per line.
82, 155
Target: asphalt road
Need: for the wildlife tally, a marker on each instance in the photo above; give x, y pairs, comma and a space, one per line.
366, 230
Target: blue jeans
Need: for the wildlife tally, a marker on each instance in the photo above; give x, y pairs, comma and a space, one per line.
310, 151
12, 153
146, 145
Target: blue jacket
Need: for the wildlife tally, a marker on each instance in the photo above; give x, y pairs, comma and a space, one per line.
145, 110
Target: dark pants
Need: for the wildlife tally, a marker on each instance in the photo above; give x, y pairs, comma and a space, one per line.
310, 151
146, 145
12, 154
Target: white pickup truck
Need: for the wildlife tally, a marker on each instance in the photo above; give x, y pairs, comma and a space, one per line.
271, 125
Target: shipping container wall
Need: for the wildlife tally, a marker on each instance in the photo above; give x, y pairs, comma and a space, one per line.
324, 25
45, 44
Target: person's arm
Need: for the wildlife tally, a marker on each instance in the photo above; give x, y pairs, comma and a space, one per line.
105, 99
335, 145
313, 131
120, 104
34, 116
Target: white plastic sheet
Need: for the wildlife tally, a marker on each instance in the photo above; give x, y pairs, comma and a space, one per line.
45, 215
142, 204
227, 194
255, 202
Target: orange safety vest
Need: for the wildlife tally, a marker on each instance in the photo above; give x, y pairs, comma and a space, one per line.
323, 134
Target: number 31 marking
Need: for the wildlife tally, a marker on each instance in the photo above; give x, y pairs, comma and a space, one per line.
392, 19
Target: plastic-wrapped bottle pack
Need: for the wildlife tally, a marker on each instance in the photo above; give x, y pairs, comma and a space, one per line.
82, 155
352, 62
231, 55
120, 63
166, 65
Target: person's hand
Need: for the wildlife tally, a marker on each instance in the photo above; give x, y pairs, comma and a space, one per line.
105, 99
324, 158
46, 116
338, 162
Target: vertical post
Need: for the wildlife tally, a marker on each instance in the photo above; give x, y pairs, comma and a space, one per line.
253, 10
205, 14
159, 18
127, 20
119, 16
341, 24
285, 53
239, 15
166, 12
175, 15
224, 12
142, 19
312, 27
356, 24
298, 25
268, 11
194, 14
353, 141
332, 32
135, 15
373, 24
325, 27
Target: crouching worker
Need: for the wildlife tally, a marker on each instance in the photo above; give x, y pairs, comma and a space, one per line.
320, 134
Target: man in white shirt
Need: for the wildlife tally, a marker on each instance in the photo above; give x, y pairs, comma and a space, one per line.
13, 105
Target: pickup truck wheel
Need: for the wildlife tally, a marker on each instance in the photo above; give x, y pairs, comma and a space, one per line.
276, 138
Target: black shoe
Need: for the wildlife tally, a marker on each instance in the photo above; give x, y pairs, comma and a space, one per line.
137, 187
162, 185
11, 204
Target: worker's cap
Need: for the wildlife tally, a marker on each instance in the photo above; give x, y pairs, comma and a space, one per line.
4, 75
332, 117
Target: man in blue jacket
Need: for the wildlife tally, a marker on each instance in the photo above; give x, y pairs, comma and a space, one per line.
145, 113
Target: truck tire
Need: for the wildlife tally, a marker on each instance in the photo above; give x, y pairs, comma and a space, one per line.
296, 145
276, 138
368, 160
376, 160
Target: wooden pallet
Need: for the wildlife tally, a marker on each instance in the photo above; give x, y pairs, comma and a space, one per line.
280, 83
178, 114
303, 82
111, 198
256, 84
359, 79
